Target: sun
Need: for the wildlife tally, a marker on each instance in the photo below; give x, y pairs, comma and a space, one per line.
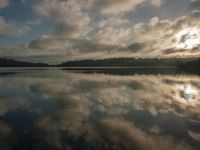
188, 38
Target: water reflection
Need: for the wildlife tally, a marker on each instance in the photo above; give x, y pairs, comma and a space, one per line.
189, 92
61, 110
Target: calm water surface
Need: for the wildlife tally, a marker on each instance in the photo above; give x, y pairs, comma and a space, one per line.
56, 109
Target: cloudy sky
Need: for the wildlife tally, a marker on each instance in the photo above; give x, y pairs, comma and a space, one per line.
53, 31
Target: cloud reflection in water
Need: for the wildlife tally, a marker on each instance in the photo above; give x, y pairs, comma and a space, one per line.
81, 111
189, 92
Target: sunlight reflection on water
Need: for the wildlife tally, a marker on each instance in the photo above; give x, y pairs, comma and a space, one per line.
189, 92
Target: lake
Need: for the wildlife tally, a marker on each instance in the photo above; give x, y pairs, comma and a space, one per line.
62, 109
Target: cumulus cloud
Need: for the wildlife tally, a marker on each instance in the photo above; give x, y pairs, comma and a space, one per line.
156, 2
112, 22
111, 36
4, 3
119, 7
154, 38
23, 1
162, 33
14, 29
48, 43
101, 29
116, 7
69, 15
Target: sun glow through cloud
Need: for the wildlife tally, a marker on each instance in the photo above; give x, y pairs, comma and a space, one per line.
56, 31
188, 38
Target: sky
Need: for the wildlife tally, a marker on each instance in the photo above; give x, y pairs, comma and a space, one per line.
53, 31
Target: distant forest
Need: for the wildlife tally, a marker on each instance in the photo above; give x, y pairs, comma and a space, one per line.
13, 63
191, 65
131, 62
186, 64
